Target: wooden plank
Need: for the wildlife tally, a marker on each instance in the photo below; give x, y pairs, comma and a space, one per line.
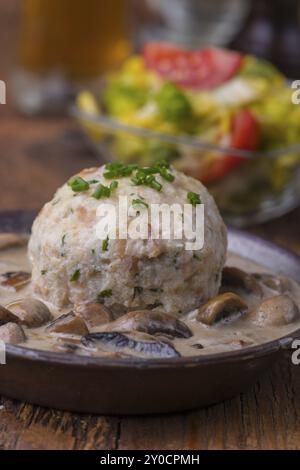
27, 427
266, 417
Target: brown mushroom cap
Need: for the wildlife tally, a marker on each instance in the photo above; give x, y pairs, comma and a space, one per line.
6, 316
275, 311
30, 312
235, 279
94, 313
12, 333
221, 306
276, 283
68, 324
153, 323
15, 280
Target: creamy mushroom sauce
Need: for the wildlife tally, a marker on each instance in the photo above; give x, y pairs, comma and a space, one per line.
222, 336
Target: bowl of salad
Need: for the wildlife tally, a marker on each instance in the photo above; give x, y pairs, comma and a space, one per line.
220, 116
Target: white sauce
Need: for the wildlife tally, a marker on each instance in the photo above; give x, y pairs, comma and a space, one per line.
220, 337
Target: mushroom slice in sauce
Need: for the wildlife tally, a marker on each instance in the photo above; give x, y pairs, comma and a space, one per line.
275, 311
278, 284
14, 280
235, 279
73, 348
221, 307
11, 240
68, 324
6, 316
118, 310
153, 323
94, 314
30, 312
12, 333
140, 344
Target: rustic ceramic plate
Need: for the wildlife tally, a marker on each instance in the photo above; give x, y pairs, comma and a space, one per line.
109, 386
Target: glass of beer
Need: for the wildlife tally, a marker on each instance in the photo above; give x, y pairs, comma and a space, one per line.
65, 45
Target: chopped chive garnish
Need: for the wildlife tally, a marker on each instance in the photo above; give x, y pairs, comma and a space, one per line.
101, 191
193, 198
63, 239
166, 175
105, 293
93, 181
78, 184
105, 191
140, 176
43, 272
139, 202
118, 170
153, 183
75, 276
113, 185
105, 244
145, 177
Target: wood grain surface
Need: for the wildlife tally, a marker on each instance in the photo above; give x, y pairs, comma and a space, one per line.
36, 156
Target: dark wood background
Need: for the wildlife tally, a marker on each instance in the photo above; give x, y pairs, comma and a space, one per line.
36, 156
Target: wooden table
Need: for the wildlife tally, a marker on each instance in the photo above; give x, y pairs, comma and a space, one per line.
36, 156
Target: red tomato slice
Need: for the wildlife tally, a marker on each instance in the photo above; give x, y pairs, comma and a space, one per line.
245, 136
203, 69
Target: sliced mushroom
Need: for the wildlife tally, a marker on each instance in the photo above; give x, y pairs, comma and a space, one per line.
30, 312
93, 313
14, 280
67, 342
73, 348
6, 316
278, 284
11, 240
153, 323
68, 324
144, 345
118, 310
275, 311
12, 333
238, 281
221, 307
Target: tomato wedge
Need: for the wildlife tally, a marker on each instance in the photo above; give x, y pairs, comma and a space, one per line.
245, 136
202, 69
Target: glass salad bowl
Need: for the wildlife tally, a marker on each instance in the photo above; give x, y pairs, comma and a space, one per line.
264, 185
219, 116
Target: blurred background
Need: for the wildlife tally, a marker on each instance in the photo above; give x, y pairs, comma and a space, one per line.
53, 49
64, 45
